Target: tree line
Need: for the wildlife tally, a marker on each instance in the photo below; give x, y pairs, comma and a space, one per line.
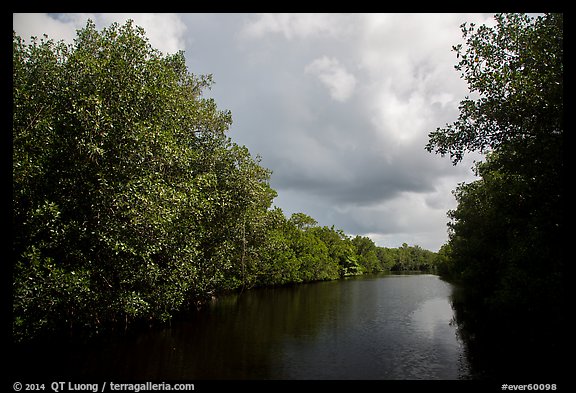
130, 202
506, 235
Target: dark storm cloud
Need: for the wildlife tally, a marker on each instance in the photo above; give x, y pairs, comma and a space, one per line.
337, 105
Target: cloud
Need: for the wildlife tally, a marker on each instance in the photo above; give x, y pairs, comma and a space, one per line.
334, 76
30, 24
297, 26
402, 119
408, 62
165, 31
354, 157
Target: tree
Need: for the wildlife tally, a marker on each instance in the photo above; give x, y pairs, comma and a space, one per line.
443, 261
388, 257
505, 236
516, 71
366, 250
341, 250
513, 215
315, 261
277, 263
129, 200
303, 221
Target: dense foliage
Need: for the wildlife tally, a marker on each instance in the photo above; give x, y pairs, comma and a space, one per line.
506, 235
130, 203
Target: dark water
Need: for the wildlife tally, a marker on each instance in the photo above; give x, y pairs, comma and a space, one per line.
379, 327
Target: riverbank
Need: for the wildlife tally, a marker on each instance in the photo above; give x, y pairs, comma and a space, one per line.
367, 327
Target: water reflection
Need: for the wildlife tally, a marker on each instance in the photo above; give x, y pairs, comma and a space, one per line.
390, 327
432, 317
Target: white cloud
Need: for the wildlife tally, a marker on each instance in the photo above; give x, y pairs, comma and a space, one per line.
400, 120
29, 24
409, 80
299, 25
368, 171
404, 218
334, 76
442, 99
165, 31
363, 169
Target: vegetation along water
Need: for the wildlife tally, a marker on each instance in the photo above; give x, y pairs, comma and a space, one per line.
132, 206
385, 326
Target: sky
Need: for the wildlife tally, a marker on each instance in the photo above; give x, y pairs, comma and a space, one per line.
338, 106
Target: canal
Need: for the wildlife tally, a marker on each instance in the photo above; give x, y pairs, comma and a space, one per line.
391, 327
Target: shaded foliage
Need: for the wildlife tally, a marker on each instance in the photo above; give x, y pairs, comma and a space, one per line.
506, 235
